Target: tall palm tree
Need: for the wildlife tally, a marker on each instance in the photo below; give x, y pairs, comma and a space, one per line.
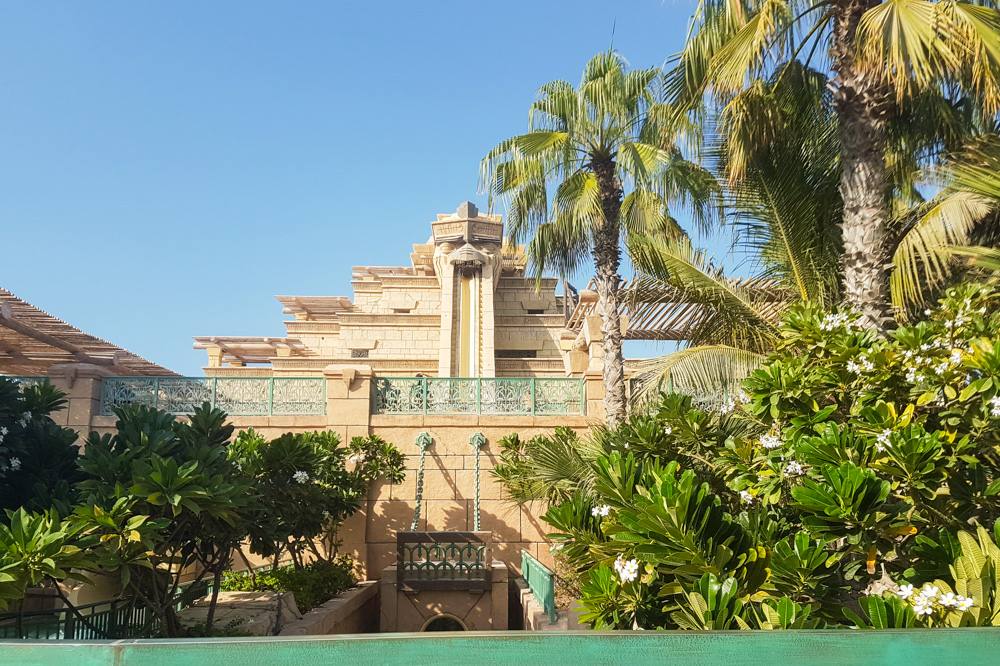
610, 157
881, 54
777, 153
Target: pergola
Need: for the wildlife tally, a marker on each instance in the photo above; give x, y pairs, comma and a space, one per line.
32, 341
674, 317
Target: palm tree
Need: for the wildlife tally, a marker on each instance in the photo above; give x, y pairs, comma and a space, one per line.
777, 154
882, 55
595, 142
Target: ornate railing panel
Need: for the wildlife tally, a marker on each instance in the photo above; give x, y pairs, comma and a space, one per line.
443, 560
237, 396
487, 395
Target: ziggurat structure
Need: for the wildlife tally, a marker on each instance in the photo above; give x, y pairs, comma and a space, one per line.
463, 308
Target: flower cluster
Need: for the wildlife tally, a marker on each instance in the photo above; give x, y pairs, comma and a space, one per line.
601, 511
929, 599
832, 322
920, 364
357, 458
25, 419
3, 432
771, 440
883, 441
794, 468
862, 364
746, 497
740, 397
995, 406
300, 477
627, 569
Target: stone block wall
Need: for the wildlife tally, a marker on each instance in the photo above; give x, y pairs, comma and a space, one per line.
448, 498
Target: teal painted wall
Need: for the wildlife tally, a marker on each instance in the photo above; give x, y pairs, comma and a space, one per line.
940, 647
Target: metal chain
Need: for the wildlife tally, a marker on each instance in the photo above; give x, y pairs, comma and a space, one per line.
424, 442
477, 441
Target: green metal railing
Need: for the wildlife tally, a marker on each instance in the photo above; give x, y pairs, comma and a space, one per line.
542, 582
477, 395
102, 620
443, 560
237, 396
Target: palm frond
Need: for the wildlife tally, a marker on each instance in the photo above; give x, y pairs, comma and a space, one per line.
709, 373
921, 260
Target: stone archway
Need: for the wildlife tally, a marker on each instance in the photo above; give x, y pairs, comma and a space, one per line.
444, 622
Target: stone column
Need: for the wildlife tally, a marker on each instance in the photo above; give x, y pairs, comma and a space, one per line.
348, 399
447, 278
81, 382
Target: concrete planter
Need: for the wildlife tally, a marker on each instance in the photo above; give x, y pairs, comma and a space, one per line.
353, 612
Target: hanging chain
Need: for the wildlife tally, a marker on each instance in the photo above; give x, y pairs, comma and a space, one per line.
423, 441
477, 441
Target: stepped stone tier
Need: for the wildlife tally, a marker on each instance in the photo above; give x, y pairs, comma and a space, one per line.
462, 308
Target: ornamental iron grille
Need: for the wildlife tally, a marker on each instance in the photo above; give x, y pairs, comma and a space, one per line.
486, 395
237, 396
443, 560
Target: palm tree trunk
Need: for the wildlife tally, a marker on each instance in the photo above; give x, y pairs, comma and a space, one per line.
607, 257
863, 103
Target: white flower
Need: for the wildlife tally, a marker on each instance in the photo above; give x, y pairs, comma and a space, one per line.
326, 514
995, 404
922, 608
964, 603
867, 365
741, 397
927, 312
793, 469
853, 367
627, 569
300, 477
601, 511
956, 356
929, 591
882, 441
667, 430
911, 375
15, 464
25, 418
905, 591
746, 497
948, 599
941, 367
833, 321
770, 441
3, 430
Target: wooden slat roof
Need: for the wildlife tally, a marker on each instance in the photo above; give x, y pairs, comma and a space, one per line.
32, 340
674, 319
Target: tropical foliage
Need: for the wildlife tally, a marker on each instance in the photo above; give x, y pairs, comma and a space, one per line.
855, 477
612, 160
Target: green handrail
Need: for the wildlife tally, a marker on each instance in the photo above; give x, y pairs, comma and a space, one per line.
542, 582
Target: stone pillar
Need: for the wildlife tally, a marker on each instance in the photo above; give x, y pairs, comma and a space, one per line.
81, 382
593, 381
487, 334
348, 399
447, 279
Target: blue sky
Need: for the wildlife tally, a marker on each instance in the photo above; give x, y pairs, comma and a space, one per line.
167, 168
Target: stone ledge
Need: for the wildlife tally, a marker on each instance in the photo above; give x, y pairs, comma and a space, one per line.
324, 618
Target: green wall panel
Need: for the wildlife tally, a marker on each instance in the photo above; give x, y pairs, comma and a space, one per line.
905, 648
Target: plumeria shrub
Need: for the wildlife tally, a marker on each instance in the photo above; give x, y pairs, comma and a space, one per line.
37, 457
846, 483
306, 485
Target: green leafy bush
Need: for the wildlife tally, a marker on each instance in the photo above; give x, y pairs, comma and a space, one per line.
838, 487
312, 584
